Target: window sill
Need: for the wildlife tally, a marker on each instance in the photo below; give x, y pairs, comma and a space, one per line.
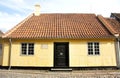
27, 55
93, 55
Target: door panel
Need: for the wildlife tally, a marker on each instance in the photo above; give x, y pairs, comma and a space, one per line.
61, 55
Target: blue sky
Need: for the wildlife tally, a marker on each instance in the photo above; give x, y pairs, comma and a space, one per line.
14, 11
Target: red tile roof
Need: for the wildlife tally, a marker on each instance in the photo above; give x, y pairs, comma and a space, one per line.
60, 26
107, 25
114, 24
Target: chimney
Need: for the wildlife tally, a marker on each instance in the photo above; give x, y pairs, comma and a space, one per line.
37, 10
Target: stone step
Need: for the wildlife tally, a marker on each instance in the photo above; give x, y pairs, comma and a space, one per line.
61, 69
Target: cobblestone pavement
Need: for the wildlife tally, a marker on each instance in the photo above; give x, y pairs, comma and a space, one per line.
59, 74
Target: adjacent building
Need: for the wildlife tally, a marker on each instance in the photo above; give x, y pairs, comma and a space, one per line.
114, 21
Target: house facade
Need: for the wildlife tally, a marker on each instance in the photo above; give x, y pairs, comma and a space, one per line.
71, 53
61, 40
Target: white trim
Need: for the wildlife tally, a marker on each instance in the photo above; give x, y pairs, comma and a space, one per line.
27, 49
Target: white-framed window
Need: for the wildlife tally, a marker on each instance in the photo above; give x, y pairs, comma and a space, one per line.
0, 49
27, 48
93, 48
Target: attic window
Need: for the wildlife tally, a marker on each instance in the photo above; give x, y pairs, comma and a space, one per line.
27, 48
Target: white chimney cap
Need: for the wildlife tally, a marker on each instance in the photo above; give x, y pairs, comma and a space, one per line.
37, 10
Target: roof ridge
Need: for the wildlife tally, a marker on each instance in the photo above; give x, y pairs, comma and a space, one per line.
107, 25
71, 13
17, 26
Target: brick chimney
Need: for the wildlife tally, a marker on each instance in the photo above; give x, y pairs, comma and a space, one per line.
37, 10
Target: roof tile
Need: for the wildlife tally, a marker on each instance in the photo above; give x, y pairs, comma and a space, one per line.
60, 26
115, 24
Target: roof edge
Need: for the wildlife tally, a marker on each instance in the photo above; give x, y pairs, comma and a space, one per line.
112, 37
17, 26
107, 25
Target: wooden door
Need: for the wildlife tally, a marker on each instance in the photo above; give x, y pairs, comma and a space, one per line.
61, 56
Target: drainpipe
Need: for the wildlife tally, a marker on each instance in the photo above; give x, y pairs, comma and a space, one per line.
118, 53
10, 54
117, 50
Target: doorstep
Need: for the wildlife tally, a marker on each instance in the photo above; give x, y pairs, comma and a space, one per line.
61, 69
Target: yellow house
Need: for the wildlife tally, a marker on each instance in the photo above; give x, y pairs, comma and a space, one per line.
60, 40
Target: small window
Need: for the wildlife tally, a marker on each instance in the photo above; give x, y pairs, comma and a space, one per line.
0, 49
27, 48
93, 48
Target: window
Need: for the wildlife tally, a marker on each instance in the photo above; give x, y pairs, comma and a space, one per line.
27, 48
0, 49
93, 48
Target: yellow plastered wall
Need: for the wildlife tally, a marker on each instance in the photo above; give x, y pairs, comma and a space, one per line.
78, 55
5, 55
42, 57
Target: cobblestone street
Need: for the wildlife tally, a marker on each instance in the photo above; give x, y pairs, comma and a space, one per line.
59, 74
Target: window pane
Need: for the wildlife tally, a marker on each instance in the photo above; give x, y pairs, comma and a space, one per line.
24, 52
90, 53
96, 53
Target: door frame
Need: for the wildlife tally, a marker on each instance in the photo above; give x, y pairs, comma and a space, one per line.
66, 43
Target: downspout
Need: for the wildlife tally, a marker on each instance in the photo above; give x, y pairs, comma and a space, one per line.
10, 54
117, 50
118, 53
